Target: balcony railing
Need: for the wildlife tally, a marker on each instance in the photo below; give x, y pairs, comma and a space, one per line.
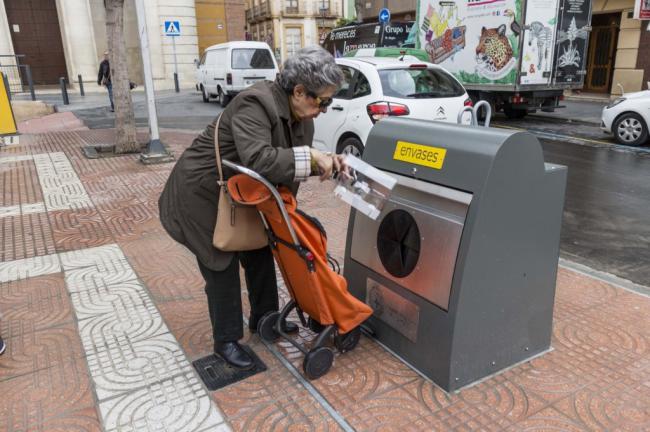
327, 9
258, 12
294, 8
263, 10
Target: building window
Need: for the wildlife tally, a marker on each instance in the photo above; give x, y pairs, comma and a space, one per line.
291, 6
293, 41
323, 6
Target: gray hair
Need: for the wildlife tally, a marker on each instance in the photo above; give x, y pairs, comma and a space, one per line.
313, 67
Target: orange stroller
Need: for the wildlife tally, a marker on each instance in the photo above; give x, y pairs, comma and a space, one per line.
299, 245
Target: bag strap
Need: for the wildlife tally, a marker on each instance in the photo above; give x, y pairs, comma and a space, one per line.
216, 148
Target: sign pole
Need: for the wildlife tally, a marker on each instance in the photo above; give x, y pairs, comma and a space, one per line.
156, 152
175, 64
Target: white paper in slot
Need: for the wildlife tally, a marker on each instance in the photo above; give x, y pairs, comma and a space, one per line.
365, 187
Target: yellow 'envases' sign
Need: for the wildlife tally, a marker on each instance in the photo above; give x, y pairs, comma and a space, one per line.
432, 157
7, 121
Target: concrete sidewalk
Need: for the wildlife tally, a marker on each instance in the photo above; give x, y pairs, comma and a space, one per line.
577, 111
103, 314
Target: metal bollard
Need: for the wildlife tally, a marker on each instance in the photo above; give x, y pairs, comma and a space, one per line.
64, 91
30, 82
81, 85
176, 82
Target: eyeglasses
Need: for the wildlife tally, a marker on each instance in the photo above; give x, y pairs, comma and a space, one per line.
322, 102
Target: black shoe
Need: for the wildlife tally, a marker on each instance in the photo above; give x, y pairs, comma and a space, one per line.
3, 346
234, 355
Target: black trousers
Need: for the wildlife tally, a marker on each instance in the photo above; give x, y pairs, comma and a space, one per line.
223, 289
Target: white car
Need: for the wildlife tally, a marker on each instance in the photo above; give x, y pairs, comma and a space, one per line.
628, 117
228, 68
377, 87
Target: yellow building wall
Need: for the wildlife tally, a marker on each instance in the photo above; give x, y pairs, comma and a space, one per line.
211, 26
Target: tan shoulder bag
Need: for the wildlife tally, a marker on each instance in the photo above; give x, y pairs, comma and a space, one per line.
239, 228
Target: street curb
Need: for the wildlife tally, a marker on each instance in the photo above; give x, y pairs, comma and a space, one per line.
565, 120
609, 278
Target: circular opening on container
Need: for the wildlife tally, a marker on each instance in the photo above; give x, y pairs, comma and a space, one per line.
398, 243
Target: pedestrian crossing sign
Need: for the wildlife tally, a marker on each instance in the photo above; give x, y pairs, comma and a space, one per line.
7, 120
172, 28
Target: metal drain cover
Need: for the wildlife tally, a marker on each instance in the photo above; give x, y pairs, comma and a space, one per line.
216, 373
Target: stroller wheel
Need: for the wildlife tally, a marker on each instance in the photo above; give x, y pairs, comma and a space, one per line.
314, 325
266, 327
317, 362
349, 341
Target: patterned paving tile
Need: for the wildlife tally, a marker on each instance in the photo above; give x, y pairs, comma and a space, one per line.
121, 365
132, 323
189, 321
61, 186
38, 303
549, 419
25, 236
30, 402
78, 229
29, 267
272, 400
172, 275
91, 256
32, 351
177, 404
104, 273
22, 209
107, 299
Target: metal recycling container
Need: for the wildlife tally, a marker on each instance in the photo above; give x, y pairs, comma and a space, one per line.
460, 266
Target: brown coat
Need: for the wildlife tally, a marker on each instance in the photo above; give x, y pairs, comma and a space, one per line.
256, 131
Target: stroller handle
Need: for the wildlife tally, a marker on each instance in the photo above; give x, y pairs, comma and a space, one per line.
278, 199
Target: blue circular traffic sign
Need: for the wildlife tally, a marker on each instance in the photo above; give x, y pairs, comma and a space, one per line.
384, 15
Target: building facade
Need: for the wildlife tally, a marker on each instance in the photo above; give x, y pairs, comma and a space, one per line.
288, 25
67, 38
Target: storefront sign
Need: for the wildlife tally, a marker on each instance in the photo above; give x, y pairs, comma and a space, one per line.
642, 9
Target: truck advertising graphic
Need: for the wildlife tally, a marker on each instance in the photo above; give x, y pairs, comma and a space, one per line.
476, 40
519, 55
573, 35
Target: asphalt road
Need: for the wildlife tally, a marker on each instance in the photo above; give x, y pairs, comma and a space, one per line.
175, 111
607, 205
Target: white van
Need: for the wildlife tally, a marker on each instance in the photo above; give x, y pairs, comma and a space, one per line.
228, 68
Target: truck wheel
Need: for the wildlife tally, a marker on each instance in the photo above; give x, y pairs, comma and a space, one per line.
223, 98
512, 113
630, 129
205, 95
350, 145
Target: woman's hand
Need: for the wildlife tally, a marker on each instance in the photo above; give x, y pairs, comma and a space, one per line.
324, 162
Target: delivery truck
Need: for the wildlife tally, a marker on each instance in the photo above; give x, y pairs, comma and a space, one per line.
519, 55
359, 36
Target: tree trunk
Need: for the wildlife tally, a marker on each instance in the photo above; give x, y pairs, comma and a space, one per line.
126, 141
359, 6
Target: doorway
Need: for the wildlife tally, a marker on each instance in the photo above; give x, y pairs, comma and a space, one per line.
35, 32
602, 52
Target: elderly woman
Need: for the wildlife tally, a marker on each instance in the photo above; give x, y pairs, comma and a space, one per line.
268, 128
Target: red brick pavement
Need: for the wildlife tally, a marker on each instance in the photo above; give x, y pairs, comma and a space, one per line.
596, 378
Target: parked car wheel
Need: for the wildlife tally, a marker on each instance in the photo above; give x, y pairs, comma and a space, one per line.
350, 145
205, 95
630, 129
223, 98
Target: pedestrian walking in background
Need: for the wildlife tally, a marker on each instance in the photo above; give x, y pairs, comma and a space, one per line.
104, 78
